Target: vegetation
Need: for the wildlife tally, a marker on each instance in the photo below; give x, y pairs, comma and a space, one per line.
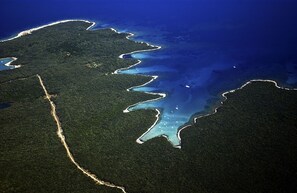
248, 146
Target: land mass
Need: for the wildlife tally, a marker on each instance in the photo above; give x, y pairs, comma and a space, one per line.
249, 145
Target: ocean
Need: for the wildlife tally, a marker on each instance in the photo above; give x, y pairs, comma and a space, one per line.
208, 46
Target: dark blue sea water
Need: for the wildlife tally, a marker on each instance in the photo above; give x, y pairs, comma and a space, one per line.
208, 46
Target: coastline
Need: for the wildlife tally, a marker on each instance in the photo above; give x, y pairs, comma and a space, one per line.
9, 64
195, 119
244, 85
30, 31
162, 95
138, 140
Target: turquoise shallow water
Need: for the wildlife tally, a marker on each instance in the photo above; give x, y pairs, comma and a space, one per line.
4, 61
208, 47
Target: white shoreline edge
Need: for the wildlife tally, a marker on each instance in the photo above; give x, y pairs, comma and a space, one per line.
232, 91
8, 64
162, 95
29, 31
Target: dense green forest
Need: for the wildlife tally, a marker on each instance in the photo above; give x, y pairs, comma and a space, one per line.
248, 146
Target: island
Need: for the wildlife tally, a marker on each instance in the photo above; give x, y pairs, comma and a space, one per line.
64, 129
